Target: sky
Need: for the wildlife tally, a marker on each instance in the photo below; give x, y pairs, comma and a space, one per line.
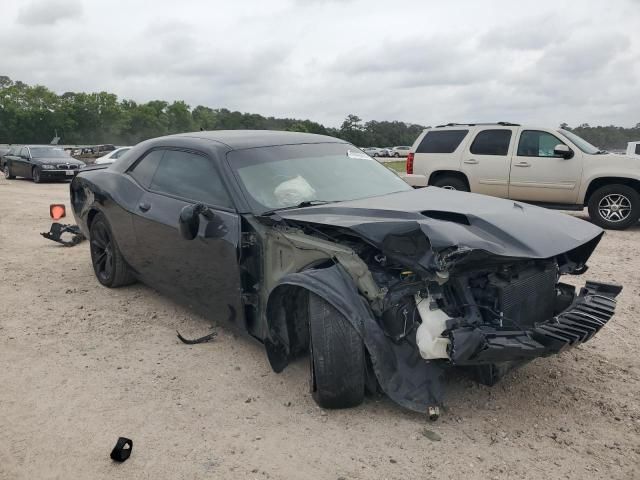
425, 62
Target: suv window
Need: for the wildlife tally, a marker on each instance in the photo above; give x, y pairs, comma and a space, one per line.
534, 143
638, 149
441, 141
491, 142
190, 176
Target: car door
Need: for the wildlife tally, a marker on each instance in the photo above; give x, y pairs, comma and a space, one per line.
486, 161
539, 175
23, 163
203, 272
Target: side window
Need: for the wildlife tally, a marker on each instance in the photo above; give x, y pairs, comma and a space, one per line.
638, 149
144, 169
441, 141
491, 142
24, 152
190, 176
534, 143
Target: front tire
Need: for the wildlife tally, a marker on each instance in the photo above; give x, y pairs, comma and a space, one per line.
35, 175
108, 264
397, 155
614, 207
7, 173
337, 357
450, 182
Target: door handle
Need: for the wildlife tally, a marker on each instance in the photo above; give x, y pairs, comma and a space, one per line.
144, 206
471, 161
522, 164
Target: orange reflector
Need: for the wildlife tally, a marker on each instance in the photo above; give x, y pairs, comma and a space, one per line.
57, 211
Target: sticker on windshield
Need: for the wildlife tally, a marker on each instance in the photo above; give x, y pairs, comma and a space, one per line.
357, 154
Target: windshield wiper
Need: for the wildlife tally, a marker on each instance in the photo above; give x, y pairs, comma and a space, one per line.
305, 203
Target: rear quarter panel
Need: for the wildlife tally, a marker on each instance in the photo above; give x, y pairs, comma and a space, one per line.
426, 164
113, 194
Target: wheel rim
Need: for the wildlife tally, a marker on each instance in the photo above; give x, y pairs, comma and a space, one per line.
6, 172
614, 207
36, 175
102, 252
448, 187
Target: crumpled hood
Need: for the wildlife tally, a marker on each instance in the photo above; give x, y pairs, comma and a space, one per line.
464, 221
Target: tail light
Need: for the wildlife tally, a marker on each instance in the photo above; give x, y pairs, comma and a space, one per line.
57, 211
410, 162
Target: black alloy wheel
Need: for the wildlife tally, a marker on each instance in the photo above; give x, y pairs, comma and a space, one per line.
102, 253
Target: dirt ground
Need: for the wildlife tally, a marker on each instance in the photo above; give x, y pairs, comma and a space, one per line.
82, 365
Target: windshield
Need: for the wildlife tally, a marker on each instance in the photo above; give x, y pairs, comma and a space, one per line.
288, 175
48, 152
582, 144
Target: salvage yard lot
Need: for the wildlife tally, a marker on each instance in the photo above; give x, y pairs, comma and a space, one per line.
83, 364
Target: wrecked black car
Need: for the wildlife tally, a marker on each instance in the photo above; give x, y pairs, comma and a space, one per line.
311, 246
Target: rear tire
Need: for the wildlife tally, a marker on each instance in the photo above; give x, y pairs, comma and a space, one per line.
7, 173
108, 264
451, 182
614, 207
337, 357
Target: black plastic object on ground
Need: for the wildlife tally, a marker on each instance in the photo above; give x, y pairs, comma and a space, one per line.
122, 450
56, 231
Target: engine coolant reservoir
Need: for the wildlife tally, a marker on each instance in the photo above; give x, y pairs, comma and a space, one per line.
431, 343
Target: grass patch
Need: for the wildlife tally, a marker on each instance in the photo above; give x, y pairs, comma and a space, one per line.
398, 166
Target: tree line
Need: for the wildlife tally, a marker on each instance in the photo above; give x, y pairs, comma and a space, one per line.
35, 114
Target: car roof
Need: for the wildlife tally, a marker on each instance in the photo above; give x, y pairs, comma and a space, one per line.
241, 139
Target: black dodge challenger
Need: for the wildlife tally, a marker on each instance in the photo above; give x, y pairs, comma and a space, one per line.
309, 245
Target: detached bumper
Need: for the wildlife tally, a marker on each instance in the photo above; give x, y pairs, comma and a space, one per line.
590, 311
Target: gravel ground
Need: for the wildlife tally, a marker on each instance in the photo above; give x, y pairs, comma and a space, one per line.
83, 364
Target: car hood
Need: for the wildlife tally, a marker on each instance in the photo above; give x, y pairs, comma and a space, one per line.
433, 226
58, 160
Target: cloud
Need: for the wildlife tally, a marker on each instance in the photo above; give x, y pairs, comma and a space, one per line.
323, 59
49, 12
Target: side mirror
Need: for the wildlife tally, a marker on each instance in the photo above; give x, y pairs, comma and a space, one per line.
563, 151
189, 221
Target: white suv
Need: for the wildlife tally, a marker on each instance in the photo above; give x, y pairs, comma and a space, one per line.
547, 166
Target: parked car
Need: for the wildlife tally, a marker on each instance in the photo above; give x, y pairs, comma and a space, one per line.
633, 149
550, 167
3, 151
308, 244
112, 156
372, 151
40, 163
399, 152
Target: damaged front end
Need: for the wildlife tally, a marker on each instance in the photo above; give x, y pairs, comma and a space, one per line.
423, 303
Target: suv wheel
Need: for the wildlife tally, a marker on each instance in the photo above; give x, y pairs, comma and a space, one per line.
7, 173
450, 182
337, 357
614, 207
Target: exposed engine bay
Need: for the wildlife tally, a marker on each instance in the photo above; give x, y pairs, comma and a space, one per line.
466, 308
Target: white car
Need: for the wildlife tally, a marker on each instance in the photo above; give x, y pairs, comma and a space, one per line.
633, 148
551, 167
372, 151
113, 155
398, 152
